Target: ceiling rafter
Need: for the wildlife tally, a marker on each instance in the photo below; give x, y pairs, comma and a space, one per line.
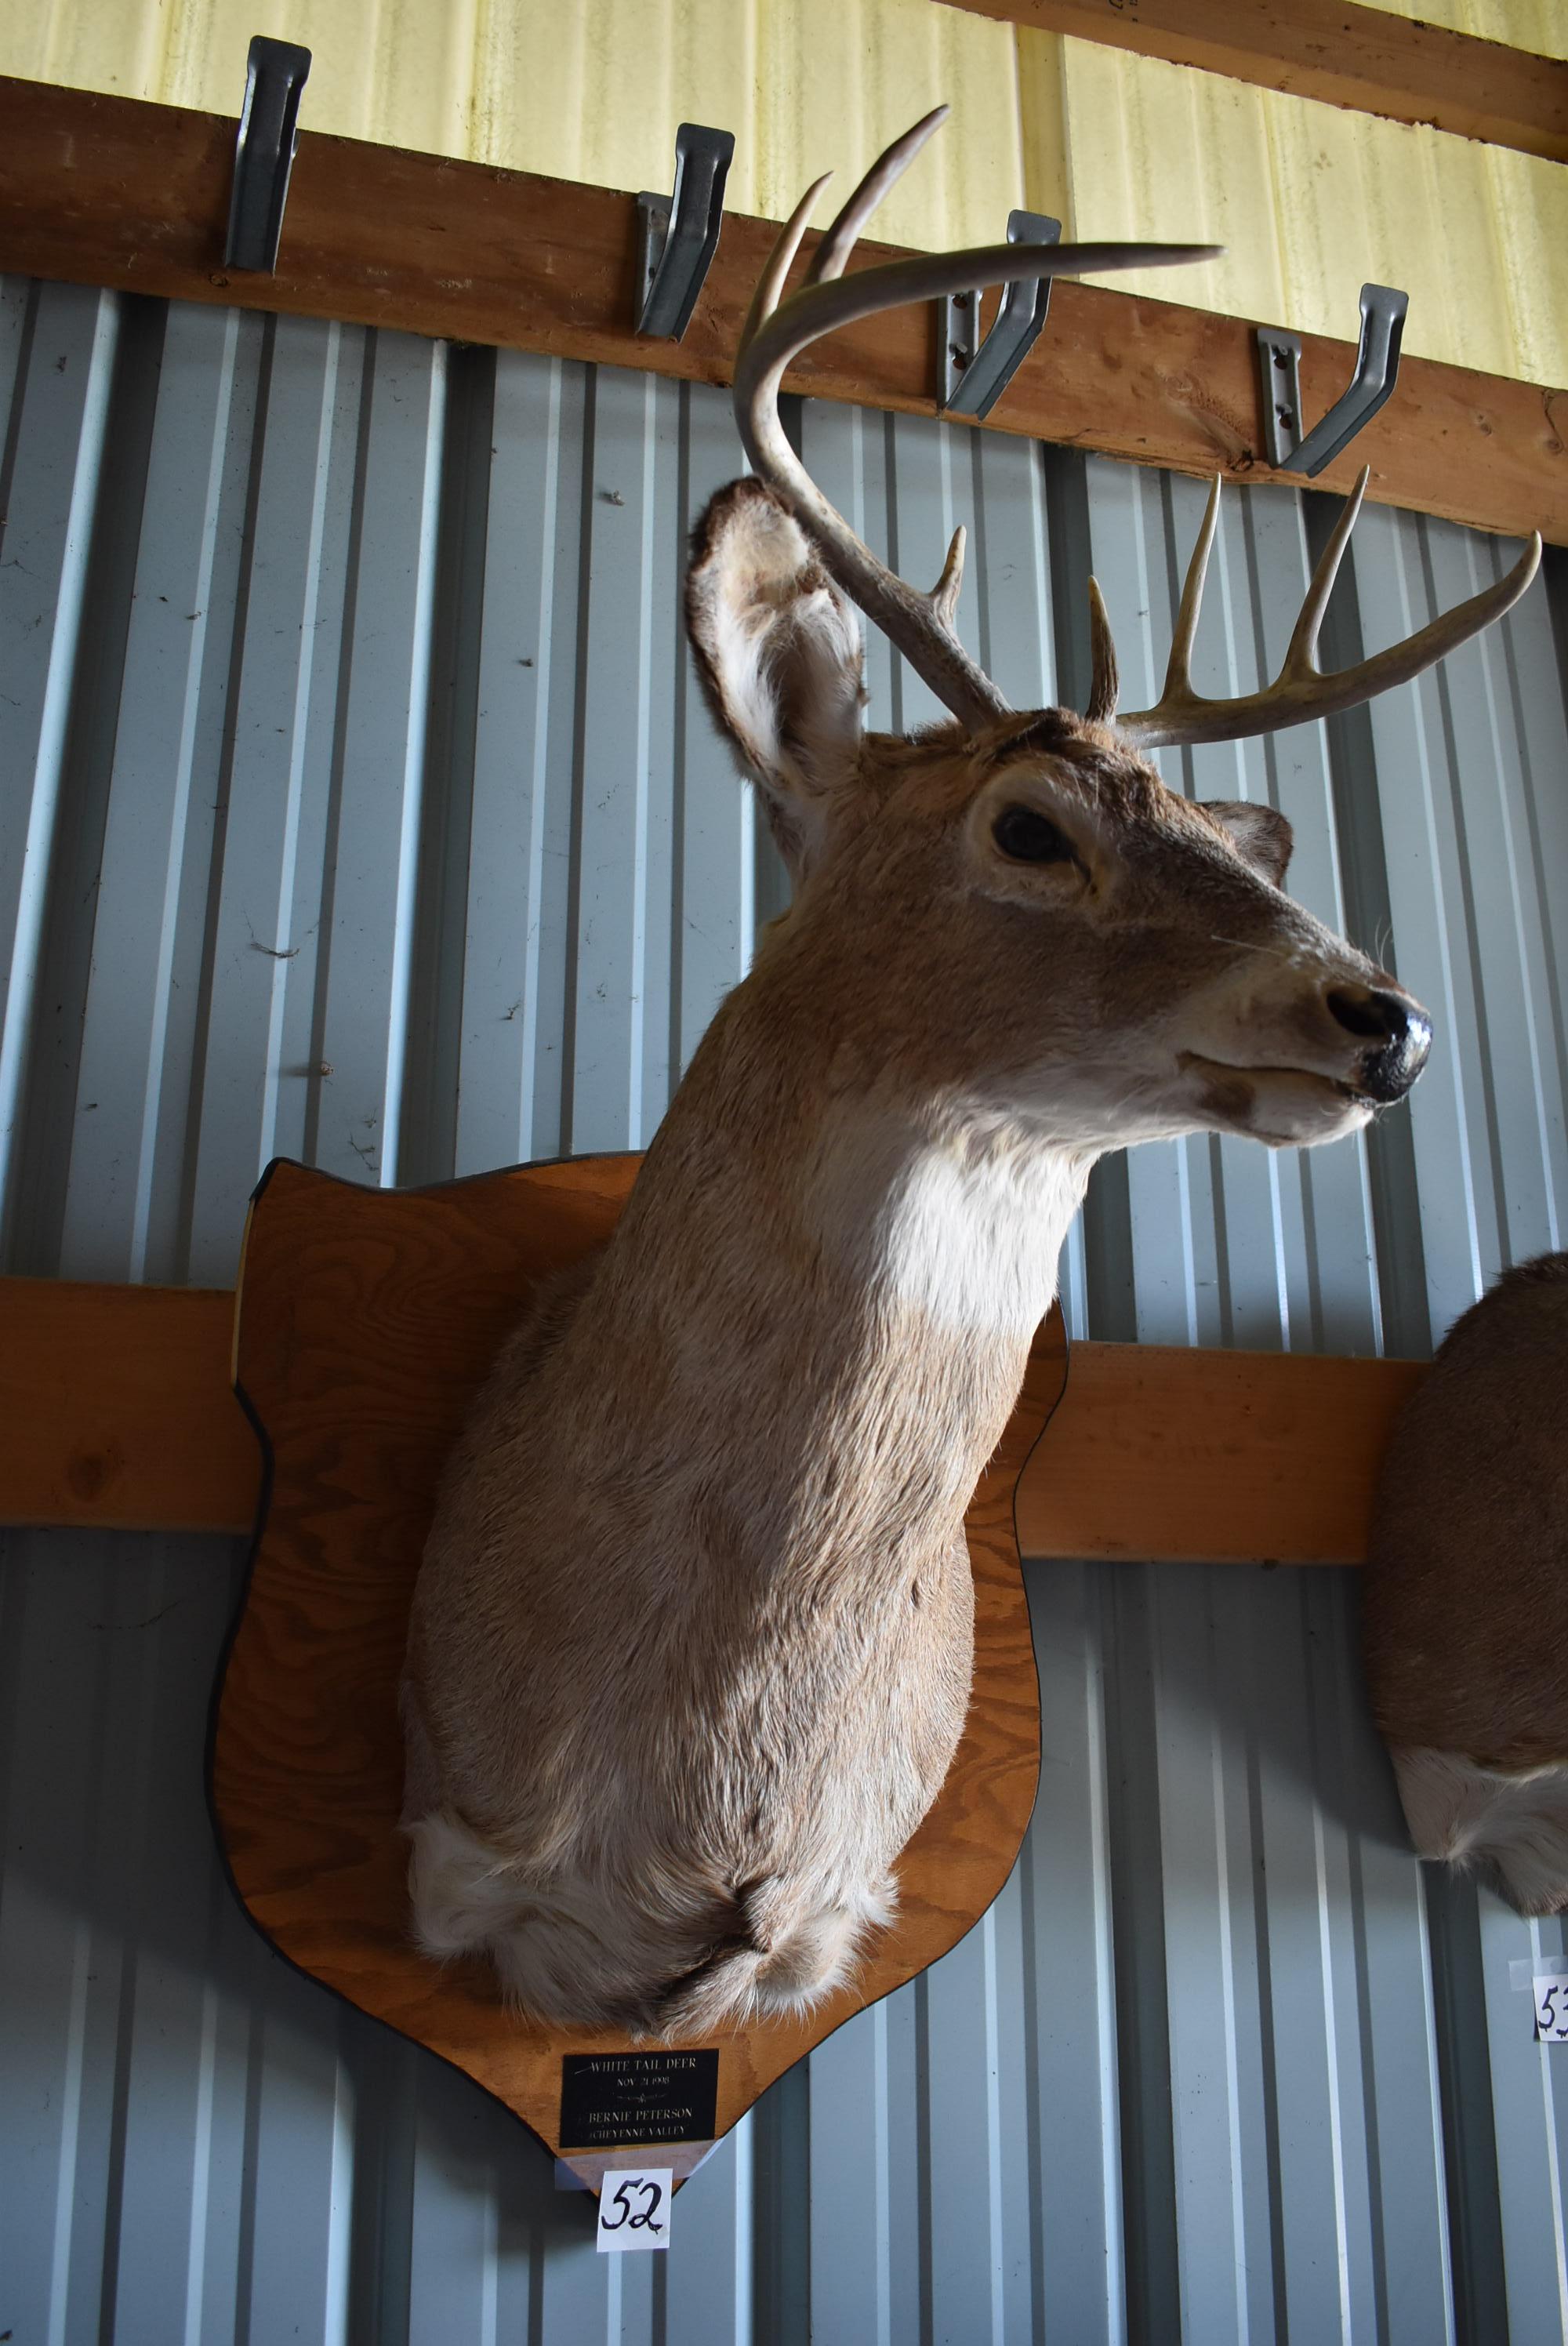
1333, 50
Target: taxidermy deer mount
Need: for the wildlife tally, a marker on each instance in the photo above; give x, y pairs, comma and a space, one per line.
1466, 1602
691, 1645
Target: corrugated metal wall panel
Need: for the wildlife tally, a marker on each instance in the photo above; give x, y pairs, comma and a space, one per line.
1310, 198
372, 816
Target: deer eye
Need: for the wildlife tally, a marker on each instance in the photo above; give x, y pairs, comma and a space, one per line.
1029, 838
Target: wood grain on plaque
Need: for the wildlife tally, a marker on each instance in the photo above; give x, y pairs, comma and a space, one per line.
366, 1319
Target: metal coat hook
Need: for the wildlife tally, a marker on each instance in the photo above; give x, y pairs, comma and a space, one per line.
680, 232
1383, 312
975, 374
275, 76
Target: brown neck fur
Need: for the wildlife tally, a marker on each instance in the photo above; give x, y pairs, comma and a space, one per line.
774, 1275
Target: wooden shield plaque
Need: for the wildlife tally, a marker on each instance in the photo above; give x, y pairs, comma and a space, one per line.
366, 1319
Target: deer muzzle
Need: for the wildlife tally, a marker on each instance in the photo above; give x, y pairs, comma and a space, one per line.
1398, 1033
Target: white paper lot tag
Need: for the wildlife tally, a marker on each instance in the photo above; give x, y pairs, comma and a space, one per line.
1551, 2009
634, 2207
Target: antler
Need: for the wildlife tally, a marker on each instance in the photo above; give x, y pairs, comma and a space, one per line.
1300, 690
777, 330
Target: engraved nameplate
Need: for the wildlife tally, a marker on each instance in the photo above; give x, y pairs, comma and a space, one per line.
607, 2099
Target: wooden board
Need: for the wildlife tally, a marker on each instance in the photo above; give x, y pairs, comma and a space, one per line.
116, 1409
117, 1414
1334, 50
111, 191
1212, 1456
366, 1319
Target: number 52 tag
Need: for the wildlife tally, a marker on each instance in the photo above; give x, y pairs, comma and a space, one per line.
634, 2207
1551, 2009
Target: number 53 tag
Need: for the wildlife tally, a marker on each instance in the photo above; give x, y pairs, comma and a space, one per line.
1551, 2009
634, 2207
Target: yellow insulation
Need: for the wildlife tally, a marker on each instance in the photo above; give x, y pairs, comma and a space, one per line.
1311, 200
1308, 200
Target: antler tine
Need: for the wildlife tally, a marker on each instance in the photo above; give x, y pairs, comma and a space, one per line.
770, 284
1176, 694
1301, 692
1105, 681
915, 623
1178, 668
838, 243
1301, 659
889, 166
943, 596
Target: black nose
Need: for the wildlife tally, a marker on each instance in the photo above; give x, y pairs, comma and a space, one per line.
1397, 1030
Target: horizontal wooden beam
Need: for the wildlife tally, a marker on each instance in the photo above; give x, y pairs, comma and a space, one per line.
1332, 50
1156, 1451
110, 191
117, 1409
118, 1413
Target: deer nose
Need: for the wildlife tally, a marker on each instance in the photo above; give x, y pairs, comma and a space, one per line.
1397, 1031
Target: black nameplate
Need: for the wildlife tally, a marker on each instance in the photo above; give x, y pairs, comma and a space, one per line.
608, 2100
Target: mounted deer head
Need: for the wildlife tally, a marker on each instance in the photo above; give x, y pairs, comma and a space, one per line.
665, 1784
1052, 812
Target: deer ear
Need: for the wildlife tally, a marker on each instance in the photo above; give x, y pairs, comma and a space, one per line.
1260, 836
779, 651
